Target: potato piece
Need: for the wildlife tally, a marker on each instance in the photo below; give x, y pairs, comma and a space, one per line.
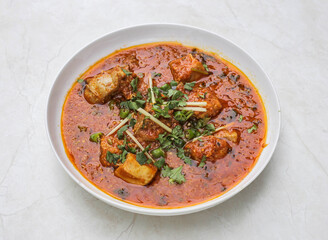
104, 84
232, 136
213, 106
211, 147
132, 172
181, 69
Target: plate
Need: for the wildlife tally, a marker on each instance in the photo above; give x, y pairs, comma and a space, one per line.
186, 35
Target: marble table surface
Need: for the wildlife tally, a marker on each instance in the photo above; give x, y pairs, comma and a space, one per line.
289, 200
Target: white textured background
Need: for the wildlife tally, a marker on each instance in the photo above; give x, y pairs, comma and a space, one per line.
289, 200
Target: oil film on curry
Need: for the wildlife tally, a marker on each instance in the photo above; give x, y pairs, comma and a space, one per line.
163, 125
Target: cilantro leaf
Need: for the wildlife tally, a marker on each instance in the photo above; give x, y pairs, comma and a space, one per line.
120, 132
181, 155
155, 74
134, 84
133, 104
96, 137
189, 86
252, 129
175, 174
123, 156
183, 115
240, 118
141, 75
133, 122
206, 67
175, 94
126, 72
173, 83
165, 87
203, 96
177, 131
141, 158
202, 162
112, 157
160, 163
160, 112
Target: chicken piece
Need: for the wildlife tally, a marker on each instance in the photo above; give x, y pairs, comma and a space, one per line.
232, 136
213, 106
187, 69
132, 172
100, 87
146, 130
211, 147
109, 144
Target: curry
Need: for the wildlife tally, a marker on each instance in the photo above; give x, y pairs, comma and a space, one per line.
163, 125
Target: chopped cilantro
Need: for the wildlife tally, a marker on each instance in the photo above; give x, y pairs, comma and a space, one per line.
141, 158
165, 87
160, 163
155, 74
126, 72
252, 129
141, 75
175, 174
189, 86
206, 67
183, 115
112, 157
181, 155
120, 132
80, 80
96, 137
161, 112
177, 131
133, 104
132, 122
173, 83
210, 127
203, 96
123, 156
134, 84
202, 162
241, 118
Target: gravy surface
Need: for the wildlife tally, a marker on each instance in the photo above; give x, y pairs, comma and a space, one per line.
237, 95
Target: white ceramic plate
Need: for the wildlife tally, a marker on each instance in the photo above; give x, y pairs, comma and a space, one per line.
154, 33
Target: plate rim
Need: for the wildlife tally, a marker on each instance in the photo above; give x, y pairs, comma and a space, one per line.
166, 211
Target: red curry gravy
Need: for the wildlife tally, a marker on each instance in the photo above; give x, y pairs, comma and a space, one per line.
242, 105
